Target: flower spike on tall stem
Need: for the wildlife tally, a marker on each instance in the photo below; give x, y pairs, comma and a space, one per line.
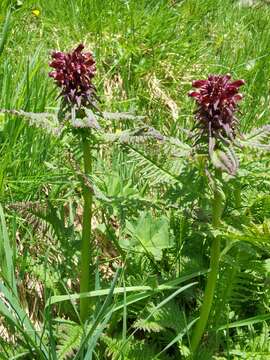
73, 73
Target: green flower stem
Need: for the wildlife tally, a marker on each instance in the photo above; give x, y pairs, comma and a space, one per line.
238, 197
86, 258
212, 277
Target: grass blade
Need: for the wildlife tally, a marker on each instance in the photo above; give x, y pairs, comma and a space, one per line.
7, 268
246, 322
5, 31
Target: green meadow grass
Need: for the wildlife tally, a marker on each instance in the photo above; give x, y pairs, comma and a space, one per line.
133, 41
174, 42
147, 52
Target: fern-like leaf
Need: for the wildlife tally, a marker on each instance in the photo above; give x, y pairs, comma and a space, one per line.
148, 326
225, 160
121, 116
258, 139
69, 340
35, 214
152, 170
46, 121
136, 136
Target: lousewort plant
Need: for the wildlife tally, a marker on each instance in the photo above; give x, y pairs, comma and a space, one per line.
73, 73
216, 99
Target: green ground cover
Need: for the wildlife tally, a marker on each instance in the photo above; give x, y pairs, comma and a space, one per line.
151, 215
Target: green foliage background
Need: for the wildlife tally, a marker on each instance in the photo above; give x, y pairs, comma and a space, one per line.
147, 53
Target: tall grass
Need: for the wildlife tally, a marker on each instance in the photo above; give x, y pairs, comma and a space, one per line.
147, 54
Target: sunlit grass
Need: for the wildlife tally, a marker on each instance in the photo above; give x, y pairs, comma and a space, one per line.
147, 53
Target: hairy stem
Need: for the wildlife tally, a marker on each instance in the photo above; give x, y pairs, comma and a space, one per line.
86, 259
212, 277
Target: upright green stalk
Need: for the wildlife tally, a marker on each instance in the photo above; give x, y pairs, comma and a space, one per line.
212, 278
73, 73
237, 196
86, 258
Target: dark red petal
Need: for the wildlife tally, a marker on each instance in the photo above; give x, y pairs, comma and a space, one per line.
238, 97
56, 63
193, 94
58, 55
238, 83
199, 83
79, 48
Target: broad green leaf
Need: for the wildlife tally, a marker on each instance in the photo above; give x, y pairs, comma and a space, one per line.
149, 234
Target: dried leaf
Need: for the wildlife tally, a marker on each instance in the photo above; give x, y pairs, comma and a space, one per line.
159, 93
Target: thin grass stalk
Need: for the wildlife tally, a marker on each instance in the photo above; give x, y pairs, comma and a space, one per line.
217, 210
5, 31
86, 256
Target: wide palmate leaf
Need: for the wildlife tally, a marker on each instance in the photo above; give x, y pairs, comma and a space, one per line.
148, 234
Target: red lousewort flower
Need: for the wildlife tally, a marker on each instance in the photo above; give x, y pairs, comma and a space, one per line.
73, 73
217, 99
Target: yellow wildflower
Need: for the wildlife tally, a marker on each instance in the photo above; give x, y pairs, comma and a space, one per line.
36, 12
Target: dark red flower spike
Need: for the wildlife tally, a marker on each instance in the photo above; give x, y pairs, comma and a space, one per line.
217, 99
73, 73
